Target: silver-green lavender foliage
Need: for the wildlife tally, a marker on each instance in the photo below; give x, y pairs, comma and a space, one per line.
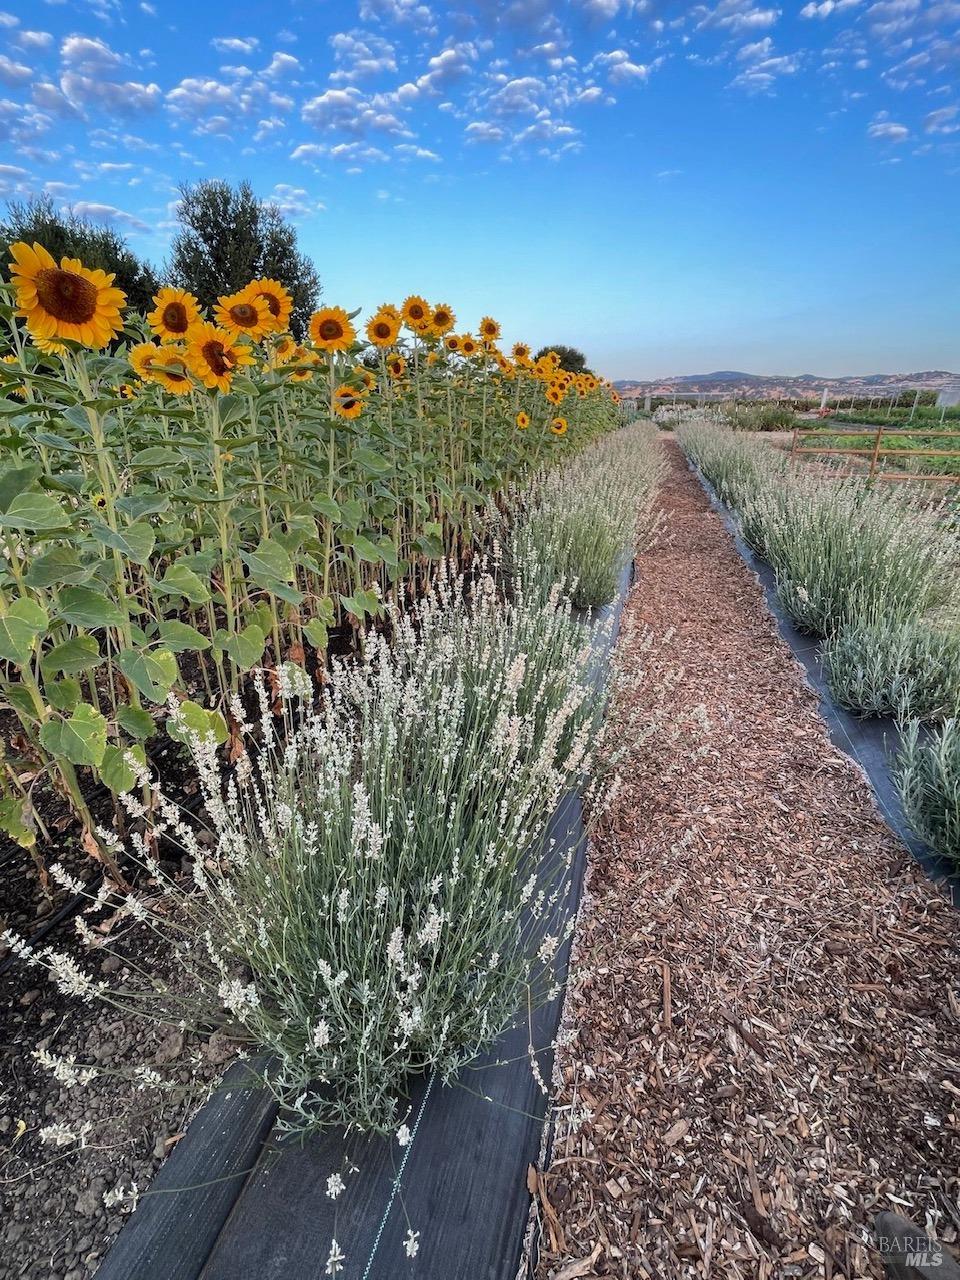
585, 522
895, 669
928, 777
844, 553
376, 896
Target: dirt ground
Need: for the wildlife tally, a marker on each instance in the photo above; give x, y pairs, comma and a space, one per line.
764, 1010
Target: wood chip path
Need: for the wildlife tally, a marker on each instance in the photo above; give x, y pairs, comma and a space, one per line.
764, 1015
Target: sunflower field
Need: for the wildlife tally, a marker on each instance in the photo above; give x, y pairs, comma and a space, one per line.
185, 498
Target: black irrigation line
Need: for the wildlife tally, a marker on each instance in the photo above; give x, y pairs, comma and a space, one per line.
866, 740
225, 1206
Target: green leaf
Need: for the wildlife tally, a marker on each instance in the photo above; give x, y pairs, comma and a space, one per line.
327, 507
21, 700
152, 671
316, 633
135, 541
20, 627
372, 463
85, 607
82, 739
181, 581
57, 567
63, 694
366, 550
269, 563
179, 637
245, 647
362, 603
16, 821
197, 720
15, 480
115, 773
154, 457
80, 653
34, 512
138, 723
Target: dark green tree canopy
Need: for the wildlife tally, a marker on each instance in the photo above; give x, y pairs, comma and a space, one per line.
66, 234
571, 359
228, 237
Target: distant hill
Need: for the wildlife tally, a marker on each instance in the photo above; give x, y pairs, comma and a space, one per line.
769, 386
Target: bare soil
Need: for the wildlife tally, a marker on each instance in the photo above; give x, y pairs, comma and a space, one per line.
764, 1009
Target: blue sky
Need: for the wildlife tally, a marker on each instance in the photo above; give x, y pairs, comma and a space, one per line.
673, 187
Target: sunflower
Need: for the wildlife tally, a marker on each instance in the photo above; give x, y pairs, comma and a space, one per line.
214, 355
489, 329
504, 365
303, 357
523, 420
68, 301
520, 352
125, 391
383, 328
559, 426
468, 345
48, 346
416, 313
442, 320
347, 403
278, 299
142, 357
176, 310
555, 394
366, 376
452, 342
396, 366
243, 312
171, 370
281, 351
331, 330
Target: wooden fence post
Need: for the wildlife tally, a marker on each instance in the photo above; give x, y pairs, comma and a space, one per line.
876, 453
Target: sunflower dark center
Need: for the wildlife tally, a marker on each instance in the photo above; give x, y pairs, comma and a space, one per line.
382, 329
348, 402
245, 314
66, 296
417, 312
330, 330
272, 303
175, 317
216, 357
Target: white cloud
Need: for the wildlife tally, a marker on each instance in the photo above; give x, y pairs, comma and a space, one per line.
944, 120
294, 202
736, 16
826, 7
108, 213
8, 20
348, 111
888, 131
619, 66
762, 74
13, 73
359, 54
34, 39
411, 152
282, 64
235, 44
484, 131
89, 56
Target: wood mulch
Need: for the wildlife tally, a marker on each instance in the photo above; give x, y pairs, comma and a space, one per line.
764, 1014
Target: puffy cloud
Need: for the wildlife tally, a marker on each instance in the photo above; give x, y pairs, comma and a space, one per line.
826, 7
34, 39
8, 20
348, 111
359, 54
452, 64
13, 73
409, 12
236, 44
89, 56
888, 131
408, 151
943, 120
282, 64
108, 213
294, 202
484, 131
619, 66
122, 97
736, 16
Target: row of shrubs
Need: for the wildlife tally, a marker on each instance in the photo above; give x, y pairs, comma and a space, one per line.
872, 573
373, 894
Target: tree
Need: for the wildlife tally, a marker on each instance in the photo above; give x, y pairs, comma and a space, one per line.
65, 234
571, 359
228, 237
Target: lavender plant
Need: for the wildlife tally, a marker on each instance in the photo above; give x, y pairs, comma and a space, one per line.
895, 669
928, 777
586, 520
374, 895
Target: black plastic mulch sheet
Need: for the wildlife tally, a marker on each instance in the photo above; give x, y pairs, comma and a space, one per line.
873, 743
234, 1202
